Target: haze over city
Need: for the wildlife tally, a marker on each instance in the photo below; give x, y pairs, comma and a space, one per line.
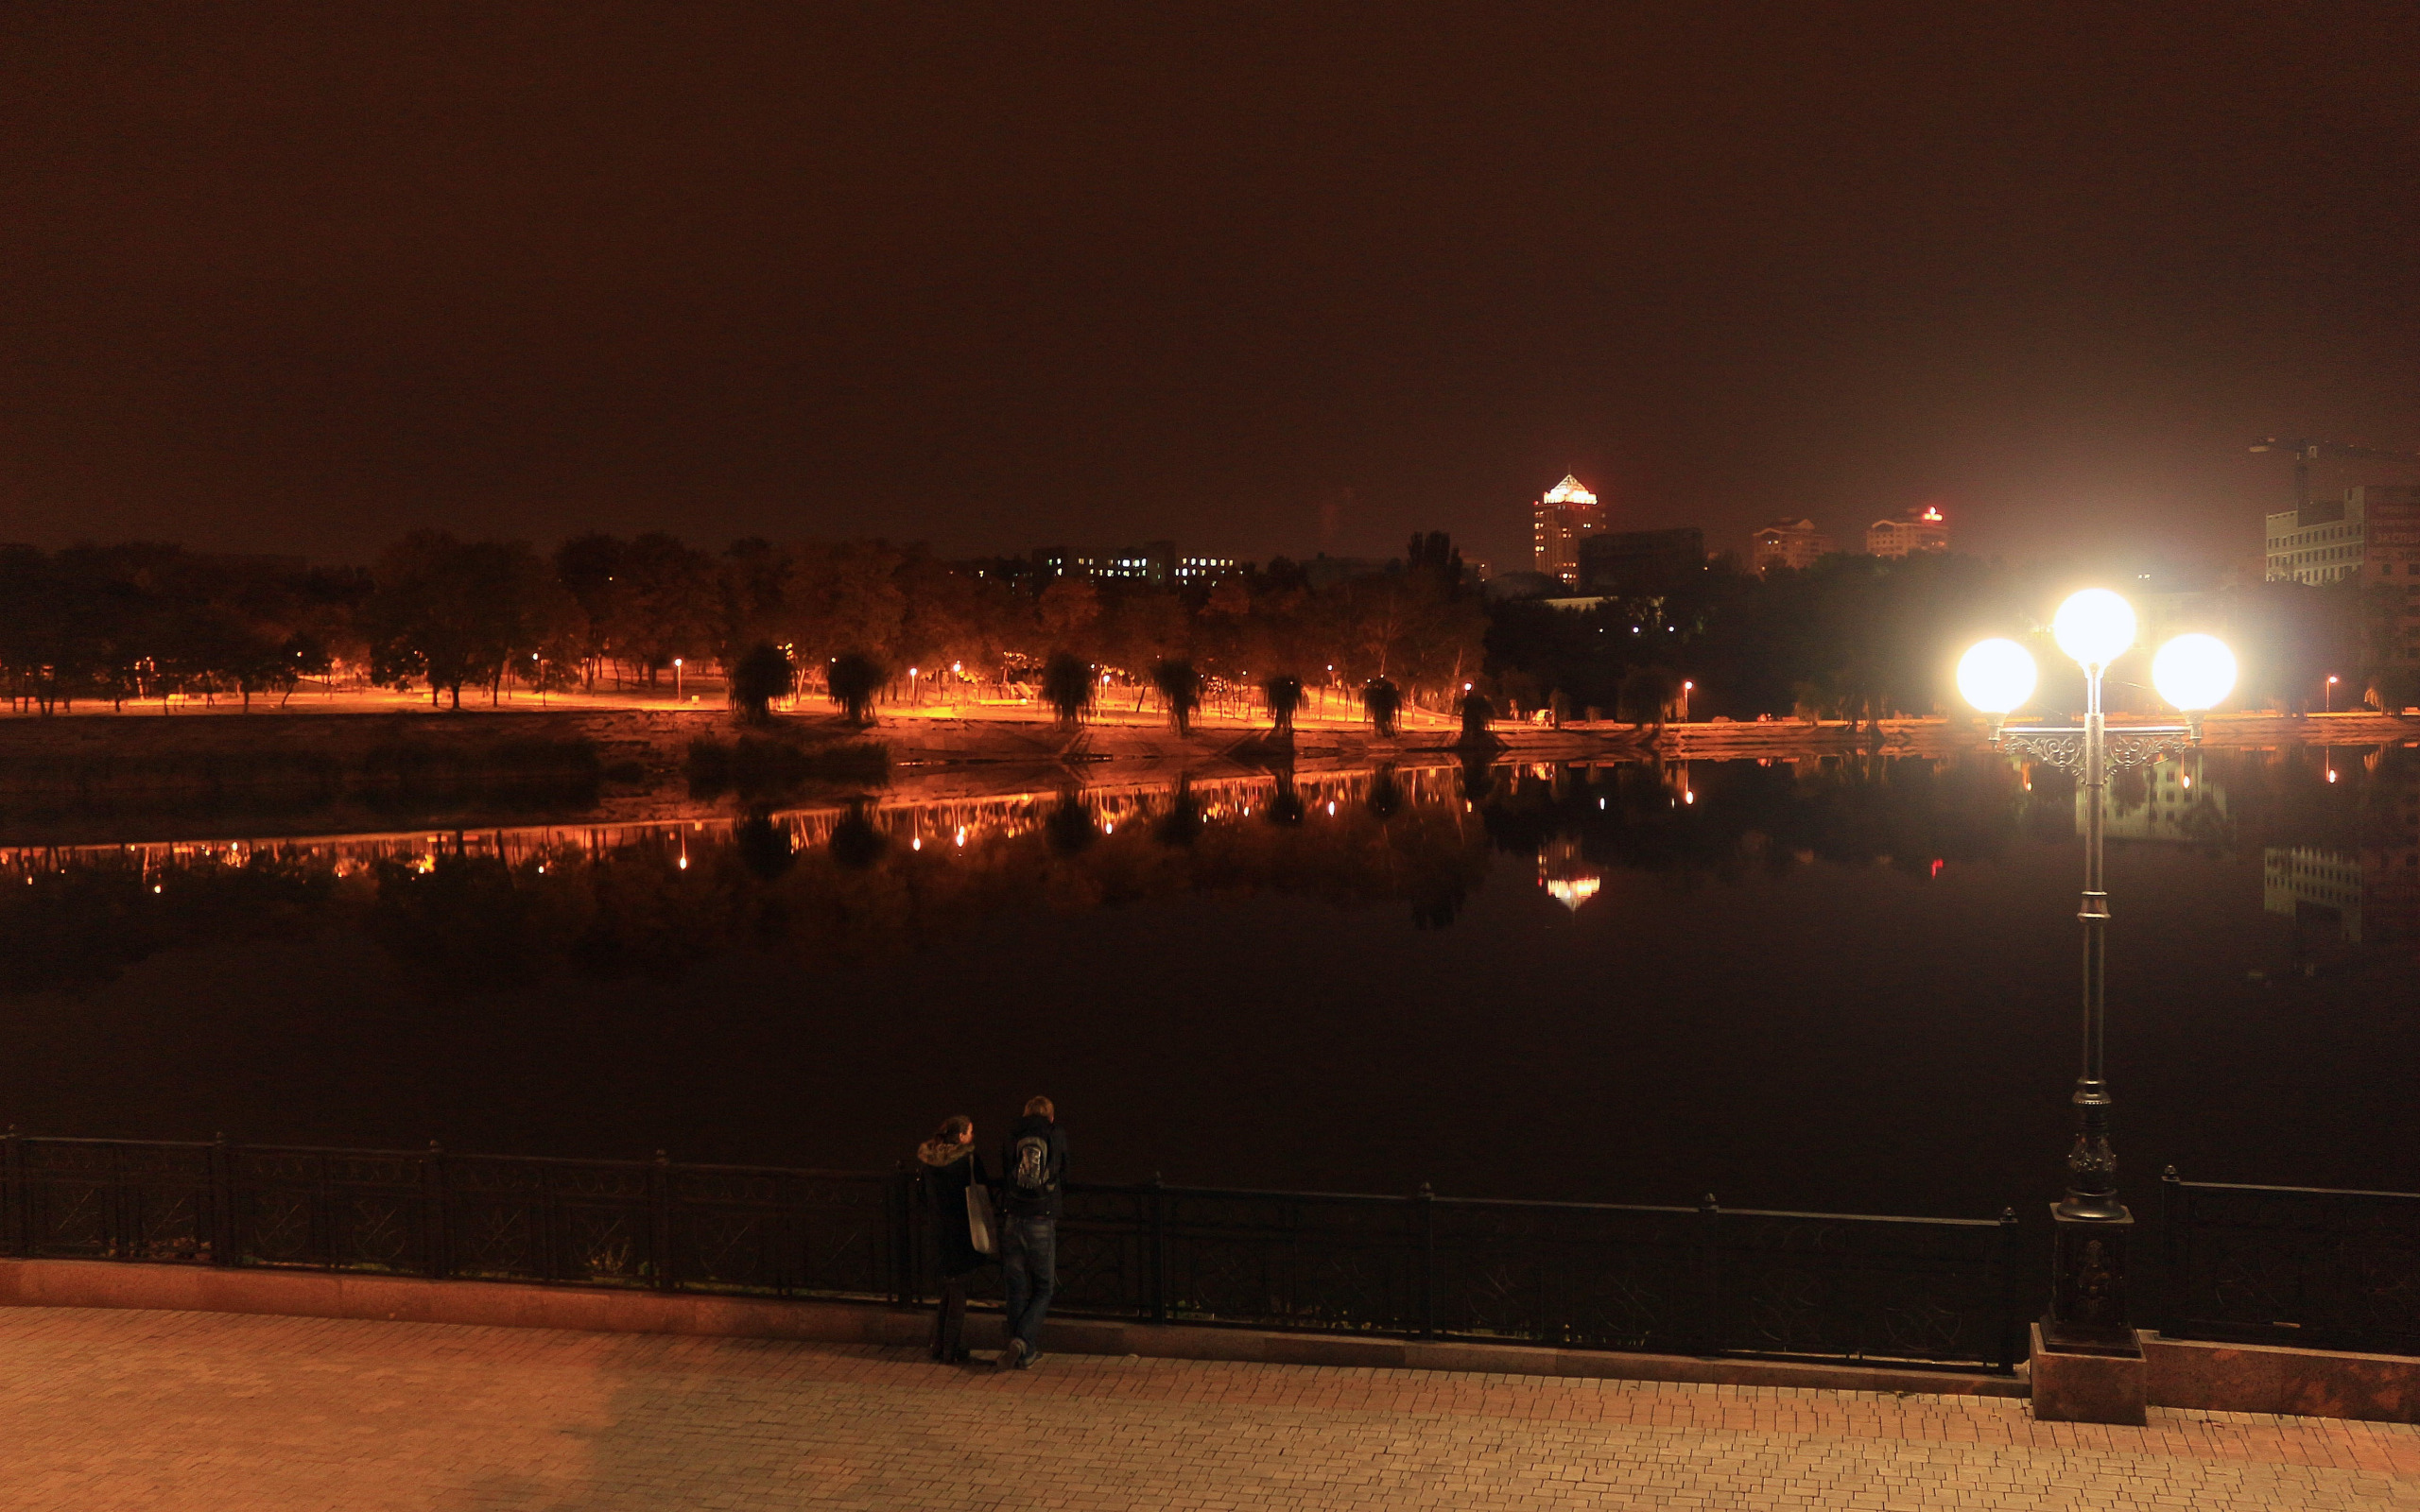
287, 278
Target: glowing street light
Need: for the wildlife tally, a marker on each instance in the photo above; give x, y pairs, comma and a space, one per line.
1686, 687
1997, 677
2194, 673
2330, 705
675, 681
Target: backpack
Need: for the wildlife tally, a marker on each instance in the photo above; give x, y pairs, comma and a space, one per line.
1029, 1167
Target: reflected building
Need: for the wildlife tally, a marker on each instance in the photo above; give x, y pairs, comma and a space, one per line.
2304, 883
1564, 874
2177, 804
2371, 893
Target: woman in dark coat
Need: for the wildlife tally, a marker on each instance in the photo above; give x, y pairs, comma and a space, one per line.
950, 1165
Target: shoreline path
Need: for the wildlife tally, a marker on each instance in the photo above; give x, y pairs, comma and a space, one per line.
186, 1410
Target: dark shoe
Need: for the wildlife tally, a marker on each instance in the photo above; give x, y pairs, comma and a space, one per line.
959, 1356
1011, 1356
1025, 1360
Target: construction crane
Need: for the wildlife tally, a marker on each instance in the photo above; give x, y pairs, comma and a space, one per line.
2308, 451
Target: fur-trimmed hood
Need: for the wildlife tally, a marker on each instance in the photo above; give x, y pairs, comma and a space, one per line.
938, 1153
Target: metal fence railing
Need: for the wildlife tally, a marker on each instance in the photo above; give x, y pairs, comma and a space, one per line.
2304, 1266
1697, 1281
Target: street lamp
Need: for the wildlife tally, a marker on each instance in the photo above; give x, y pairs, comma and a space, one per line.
676, 679
2330, 693
2194, 673
1685, 687
911, 685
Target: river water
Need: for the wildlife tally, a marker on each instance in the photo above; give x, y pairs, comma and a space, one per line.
1846, 983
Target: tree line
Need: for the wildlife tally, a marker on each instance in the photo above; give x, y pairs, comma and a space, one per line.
1852, 637
438, 614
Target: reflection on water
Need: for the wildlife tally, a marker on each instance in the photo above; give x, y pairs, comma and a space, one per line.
2338, 833
1839, 984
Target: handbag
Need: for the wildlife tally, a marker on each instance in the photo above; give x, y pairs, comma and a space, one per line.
980, 1227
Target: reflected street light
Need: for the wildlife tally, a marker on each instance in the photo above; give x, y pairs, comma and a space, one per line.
2194, 673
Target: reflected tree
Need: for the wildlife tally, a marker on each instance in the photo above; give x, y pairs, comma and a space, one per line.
763, 845
857, 842
1181, 824
1070, 829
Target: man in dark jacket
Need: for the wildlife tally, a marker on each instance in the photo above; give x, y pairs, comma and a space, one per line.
1033, 1173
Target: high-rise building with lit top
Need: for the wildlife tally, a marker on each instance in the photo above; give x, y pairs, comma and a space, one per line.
1564, 516
1907, 533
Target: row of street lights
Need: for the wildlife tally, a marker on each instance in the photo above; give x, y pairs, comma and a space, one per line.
2194, 673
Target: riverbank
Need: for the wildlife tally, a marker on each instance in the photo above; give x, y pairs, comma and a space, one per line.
97, 778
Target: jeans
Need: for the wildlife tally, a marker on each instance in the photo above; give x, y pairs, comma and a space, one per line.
1029, 1272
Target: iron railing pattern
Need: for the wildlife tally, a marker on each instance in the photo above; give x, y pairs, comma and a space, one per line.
2304, 1266
1696, 1280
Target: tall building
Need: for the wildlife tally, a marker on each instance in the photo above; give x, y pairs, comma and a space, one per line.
1641, 563
2371, 535
1787, 543
1564, 516
1911, 531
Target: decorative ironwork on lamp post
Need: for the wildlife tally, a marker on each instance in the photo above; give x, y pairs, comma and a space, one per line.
2194, 673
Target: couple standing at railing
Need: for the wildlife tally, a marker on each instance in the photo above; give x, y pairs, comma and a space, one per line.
1017, 1224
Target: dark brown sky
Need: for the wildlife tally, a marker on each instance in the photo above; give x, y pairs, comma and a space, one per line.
297, 278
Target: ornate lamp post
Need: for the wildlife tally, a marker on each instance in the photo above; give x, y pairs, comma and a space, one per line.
2193, 672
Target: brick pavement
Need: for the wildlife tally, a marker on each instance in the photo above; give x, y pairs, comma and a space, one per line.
102, 1409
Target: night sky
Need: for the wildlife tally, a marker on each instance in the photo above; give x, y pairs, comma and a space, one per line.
1265, 279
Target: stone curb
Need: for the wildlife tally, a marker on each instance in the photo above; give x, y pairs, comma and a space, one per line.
504, 1304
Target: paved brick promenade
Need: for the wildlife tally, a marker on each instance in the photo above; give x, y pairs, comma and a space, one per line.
184, 1410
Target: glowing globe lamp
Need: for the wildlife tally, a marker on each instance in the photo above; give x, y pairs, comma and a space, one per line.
2095, 626
2194, 672
1995, 676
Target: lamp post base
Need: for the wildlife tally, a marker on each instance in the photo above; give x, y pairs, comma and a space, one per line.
2088, 1285
2070, 1388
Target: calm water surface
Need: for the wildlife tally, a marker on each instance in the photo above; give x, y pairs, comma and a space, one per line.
1847, 984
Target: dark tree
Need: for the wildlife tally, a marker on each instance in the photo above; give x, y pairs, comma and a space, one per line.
1285, 695
1180, 689
1382, 701
854, 678
1477, 713
1645, 693
1067, 686
761, 674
